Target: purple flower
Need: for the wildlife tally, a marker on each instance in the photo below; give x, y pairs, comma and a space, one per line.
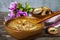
6, 19
12, 6
20, 13
11, 15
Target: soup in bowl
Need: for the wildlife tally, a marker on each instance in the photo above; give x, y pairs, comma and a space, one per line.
23, 27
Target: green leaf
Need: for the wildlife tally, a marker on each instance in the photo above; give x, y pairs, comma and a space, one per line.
21, 9
30, 10
27, 6
19, 5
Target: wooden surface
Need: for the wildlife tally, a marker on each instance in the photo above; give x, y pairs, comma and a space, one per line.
43, 36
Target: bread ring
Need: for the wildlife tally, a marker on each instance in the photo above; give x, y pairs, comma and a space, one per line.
42, 11
52, 30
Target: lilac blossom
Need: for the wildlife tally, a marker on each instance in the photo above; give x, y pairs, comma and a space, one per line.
5, 19
20, 13
11, 15
12, 6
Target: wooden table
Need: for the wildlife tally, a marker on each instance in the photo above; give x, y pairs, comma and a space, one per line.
43, 36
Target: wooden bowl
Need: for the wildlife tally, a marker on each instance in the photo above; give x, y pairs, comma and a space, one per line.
20, 33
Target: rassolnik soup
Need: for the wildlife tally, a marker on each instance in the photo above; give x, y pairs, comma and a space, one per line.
24, 24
